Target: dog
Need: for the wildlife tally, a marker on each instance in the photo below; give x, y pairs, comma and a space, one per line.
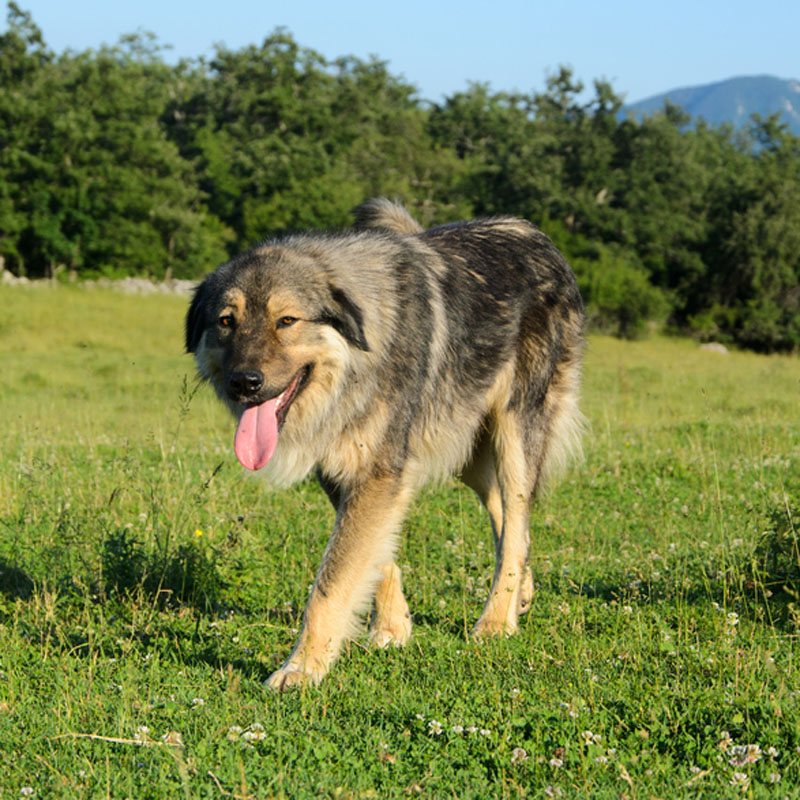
383, 357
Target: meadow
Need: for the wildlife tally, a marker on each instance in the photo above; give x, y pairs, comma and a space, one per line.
148, 588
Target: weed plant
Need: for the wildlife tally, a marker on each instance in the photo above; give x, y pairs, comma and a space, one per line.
148, 588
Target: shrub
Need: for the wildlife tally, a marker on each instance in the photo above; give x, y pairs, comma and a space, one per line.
619, 298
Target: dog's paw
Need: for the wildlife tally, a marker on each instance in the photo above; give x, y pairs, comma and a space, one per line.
391, 618
290, 675
395, 632
525, 592
487, 627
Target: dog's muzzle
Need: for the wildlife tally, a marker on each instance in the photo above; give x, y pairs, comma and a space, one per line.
244, 385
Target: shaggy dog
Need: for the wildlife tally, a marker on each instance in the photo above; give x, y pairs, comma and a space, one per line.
384, 357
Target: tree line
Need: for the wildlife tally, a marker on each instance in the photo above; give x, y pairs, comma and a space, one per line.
114, 162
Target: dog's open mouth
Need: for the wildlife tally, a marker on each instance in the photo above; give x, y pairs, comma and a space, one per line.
259, 426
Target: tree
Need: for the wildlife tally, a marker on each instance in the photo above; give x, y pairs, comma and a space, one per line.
89, 180
23, 56
287, 140
753, 250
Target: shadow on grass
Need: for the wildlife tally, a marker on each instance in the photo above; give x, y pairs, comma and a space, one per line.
186, 576
767, 576
14, 582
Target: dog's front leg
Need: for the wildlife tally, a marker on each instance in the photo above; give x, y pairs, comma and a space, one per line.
363, 539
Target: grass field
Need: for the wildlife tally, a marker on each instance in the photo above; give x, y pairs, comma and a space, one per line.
148, 588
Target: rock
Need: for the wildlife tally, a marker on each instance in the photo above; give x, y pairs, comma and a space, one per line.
715, 347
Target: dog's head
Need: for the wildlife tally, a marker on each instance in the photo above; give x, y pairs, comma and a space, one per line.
271, 332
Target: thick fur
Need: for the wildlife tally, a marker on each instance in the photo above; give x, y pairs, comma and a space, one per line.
422, 354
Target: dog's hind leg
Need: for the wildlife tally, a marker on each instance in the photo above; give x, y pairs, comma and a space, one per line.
511, 488
481, 476
391, 619
363, 540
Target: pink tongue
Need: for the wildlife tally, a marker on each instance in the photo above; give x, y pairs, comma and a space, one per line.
257, 435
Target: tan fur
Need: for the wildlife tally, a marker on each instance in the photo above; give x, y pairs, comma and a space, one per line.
391, 622
346, 582
515, 483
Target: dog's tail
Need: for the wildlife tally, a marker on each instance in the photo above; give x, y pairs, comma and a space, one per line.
382, 214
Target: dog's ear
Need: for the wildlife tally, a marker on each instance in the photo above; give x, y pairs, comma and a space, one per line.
195, 317
346, 317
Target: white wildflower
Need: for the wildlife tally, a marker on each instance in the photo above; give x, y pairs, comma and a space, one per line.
518, 754
725, 742
255, 733
742, 754
142, 734
435, 728
740, 780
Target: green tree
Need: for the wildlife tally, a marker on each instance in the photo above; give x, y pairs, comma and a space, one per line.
752, 291
494, 136
23, 56
287, 140
89, 179
662, 186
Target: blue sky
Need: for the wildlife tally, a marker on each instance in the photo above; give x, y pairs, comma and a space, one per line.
642, 47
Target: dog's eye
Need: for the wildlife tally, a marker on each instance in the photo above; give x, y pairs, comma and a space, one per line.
285, 322
225, 321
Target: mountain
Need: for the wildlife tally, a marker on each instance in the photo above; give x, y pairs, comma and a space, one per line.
732, 100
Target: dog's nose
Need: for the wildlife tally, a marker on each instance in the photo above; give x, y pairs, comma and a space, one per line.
246, 383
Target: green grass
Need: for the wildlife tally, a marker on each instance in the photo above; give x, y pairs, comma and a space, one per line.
148, 588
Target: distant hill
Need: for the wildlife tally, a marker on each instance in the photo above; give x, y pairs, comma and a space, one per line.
732, 100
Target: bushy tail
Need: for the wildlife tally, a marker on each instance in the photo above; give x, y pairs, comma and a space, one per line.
567, 427
382, 214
